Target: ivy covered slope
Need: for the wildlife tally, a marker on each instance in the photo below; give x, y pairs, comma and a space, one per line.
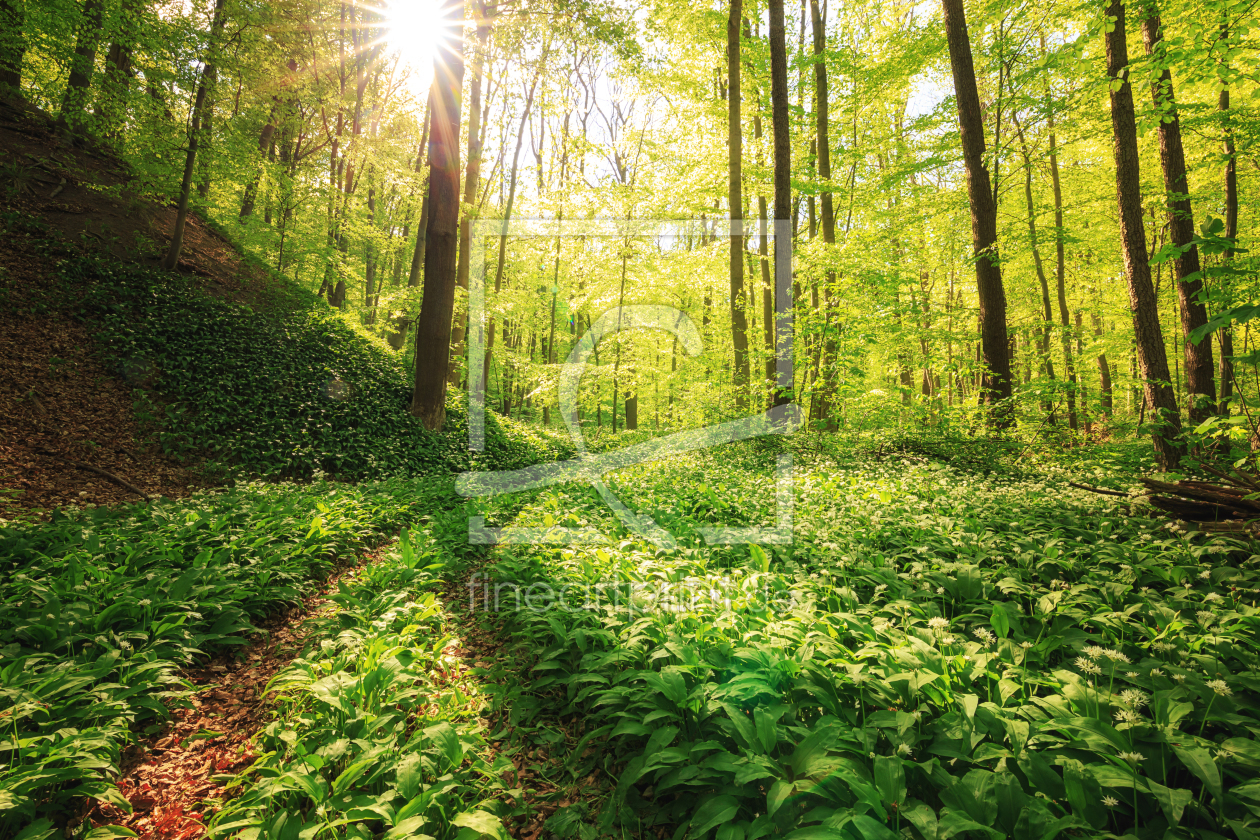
287, 389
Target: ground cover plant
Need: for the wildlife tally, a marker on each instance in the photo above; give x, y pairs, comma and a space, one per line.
936, 655
101, 608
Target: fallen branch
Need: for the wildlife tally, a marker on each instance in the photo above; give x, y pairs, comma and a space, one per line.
1098, 490
89, 468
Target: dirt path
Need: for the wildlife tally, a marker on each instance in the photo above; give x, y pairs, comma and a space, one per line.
483, 649
170, 779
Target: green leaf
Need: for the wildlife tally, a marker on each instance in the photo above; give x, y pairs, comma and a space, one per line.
713, 812
483, 823
1199, 762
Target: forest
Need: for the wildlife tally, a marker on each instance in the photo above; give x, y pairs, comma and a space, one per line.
653, 419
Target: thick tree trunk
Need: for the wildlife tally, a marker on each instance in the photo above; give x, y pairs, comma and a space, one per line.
208, 74
779, 343
433, 328
996, 383
1150, 340
83, 62
1200, 373
12, 43
735, 149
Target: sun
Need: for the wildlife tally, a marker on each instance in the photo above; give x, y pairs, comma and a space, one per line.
416, 29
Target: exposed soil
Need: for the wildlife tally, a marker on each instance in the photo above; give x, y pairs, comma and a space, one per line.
170, 779
55, 396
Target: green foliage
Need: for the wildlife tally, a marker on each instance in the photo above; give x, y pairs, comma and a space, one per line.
99, 609
375, 728
935, 654
291, 392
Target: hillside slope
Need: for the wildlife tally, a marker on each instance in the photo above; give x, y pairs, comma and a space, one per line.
117, 379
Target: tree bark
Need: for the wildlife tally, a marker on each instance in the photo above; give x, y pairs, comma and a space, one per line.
996, 380
12, 43
1200, 373
824, 364
782, 194
74, 100
208, 74
417, 255
1104, 370
433, 329
472, 177
111, 109
1231, 231
1150, 340
264, 143
735, 149
1047, 320
1060, 263
507, 213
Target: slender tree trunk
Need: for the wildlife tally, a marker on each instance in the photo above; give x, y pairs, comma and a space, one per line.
264, 143
82, 64
417, 255
1047, 319
472, 177
1231, 231
1150, 340
1200, 368
507, 208
111, 108
825, 361
992, 296
735, 144
1060, 263
12, 43
171, 260
433, 328
1104, 370
782, 128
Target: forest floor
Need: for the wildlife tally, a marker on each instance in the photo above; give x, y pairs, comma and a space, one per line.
58, 403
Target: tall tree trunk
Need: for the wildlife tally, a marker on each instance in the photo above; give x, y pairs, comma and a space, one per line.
111, 108
1104, 370
825, 362
472, 178
417, 255
1047, 319
1150, 339
74, 100
507, 211
264, 143
1226, 333
12, 43
1060, 263
782, 195
433, 328
1200, 368
735, 149
992, 297
208, 73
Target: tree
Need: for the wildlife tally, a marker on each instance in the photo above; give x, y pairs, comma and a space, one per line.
996, 382
81, 66
1166, 425
1200, 382
433, 328
782, 176
12, 43
735, 154
171, 260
